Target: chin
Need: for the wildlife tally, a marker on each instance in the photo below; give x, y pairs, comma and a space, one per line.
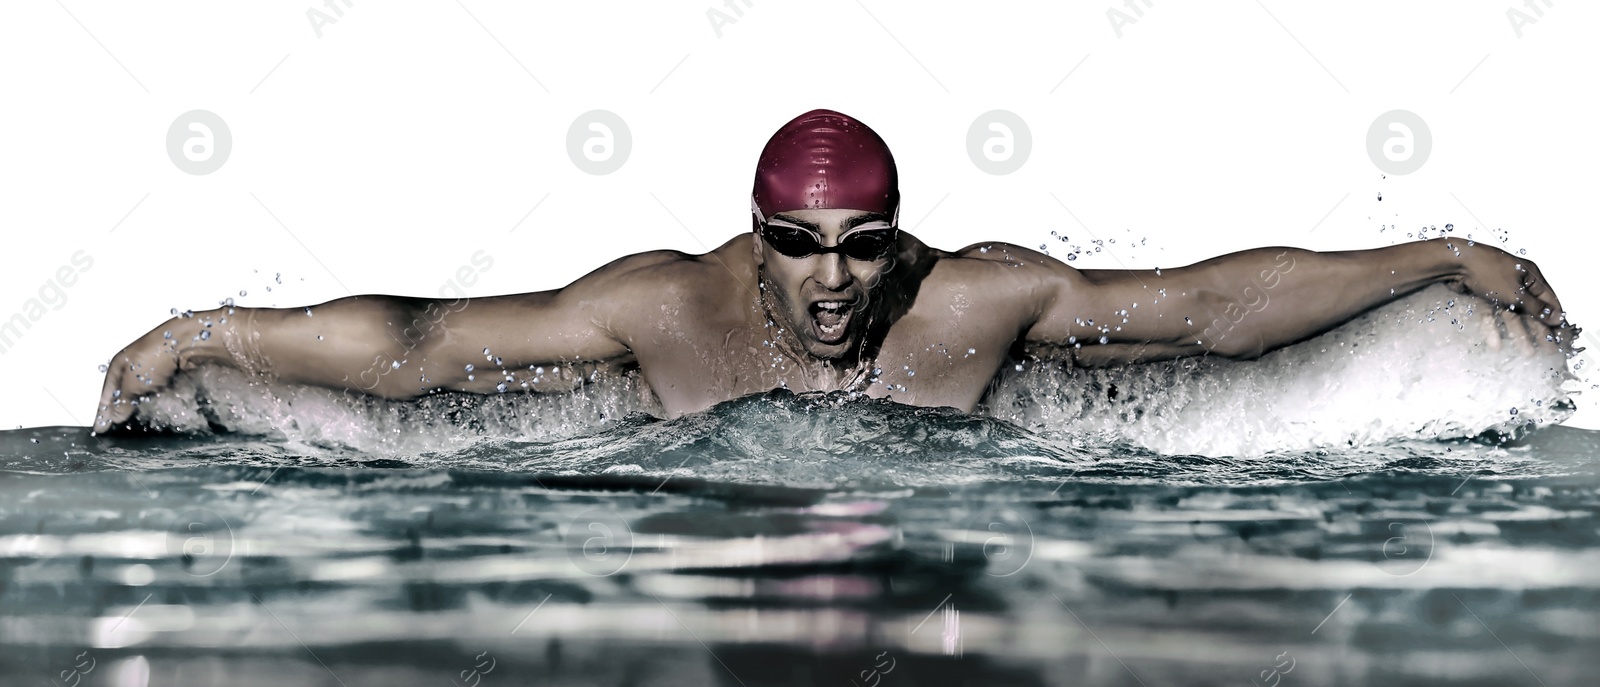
831, 351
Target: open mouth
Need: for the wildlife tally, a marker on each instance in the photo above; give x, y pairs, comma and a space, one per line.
830, 320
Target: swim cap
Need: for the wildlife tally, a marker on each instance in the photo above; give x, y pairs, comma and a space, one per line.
825, 159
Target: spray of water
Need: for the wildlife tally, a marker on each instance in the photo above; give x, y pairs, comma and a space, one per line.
1418, 369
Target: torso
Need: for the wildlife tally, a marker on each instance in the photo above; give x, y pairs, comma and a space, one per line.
702, 337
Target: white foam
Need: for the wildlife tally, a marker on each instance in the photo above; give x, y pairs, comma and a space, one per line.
1418, 368
315, 417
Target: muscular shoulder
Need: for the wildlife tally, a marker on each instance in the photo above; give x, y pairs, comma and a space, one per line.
1003, 279
643, 285
1000, 251
1010, 265
664, 269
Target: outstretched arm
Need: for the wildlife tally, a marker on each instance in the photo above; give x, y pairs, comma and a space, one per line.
1244, 304
387, 346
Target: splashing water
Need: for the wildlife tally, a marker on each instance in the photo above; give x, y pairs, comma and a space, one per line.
1421, 368
578, 537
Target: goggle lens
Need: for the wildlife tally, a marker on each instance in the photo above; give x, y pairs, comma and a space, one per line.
861, 245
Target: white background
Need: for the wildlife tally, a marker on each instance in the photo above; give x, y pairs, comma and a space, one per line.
381, 155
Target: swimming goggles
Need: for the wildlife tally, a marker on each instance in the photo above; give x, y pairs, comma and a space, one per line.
860, 244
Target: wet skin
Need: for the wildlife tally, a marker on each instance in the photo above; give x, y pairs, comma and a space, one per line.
936, 325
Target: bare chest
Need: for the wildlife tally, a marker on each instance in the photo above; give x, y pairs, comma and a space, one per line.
943, 352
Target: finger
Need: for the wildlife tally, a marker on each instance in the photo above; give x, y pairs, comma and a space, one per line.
1491, 331
122, 397
1549, 307
103, 404
1538, 333
103, 411
1532, 330
1515, 331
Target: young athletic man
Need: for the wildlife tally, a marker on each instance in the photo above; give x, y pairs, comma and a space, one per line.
826, 293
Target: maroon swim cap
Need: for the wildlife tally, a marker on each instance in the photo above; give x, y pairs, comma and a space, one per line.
825, 159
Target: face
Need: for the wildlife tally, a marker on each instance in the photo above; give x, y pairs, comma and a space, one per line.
825, 296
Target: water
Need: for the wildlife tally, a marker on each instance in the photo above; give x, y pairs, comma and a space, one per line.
1338, 519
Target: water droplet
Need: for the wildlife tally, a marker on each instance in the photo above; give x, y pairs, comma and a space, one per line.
469, 367
205, 334
242, 292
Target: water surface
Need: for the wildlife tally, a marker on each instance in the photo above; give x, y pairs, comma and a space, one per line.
1361, 509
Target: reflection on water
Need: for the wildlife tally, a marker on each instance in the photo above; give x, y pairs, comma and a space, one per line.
979, 557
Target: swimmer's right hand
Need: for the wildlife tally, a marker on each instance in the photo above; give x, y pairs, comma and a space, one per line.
145, 367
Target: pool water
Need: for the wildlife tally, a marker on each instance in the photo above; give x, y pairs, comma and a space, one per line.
1356, 510
239, 561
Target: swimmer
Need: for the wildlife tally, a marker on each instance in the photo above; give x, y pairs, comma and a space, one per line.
826, 292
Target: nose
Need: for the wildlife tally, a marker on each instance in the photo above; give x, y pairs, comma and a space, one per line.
831, 272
